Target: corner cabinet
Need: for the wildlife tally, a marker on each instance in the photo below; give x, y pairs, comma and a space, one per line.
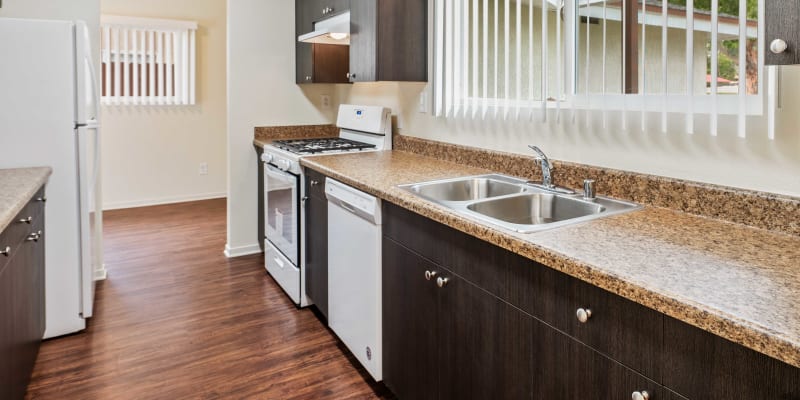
463, 319
388, 42
316, 249
21, 297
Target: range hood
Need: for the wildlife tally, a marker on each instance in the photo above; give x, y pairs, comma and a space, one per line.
333, 30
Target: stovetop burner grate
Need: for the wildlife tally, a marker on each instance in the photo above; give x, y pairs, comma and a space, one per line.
311, 146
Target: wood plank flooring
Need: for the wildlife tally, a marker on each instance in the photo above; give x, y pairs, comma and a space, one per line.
177, 320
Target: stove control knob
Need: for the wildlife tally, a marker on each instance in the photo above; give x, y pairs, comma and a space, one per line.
284, 165
266, 157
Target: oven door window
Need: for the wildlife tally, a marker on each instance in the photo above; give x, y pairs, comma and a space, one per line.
281, 211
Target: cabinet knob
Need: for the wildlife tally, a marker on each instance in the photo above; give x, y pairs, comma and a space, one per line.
643, 395
778, 46
583, 315
441, 282
430, 275
26, 220
41, 199
6, 252
308, 77
34, 237
314, 183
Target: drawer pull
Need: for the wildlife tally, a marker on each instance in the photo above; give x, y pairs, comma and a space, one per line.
583, 315
6, 252
441, 282
314, 183
643, 395
41, 199
34, 237
26, 220
430, 275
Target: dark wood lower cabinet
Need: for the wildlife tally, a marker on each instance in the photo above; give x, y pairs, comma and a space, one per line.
316, 231
22, 299
504, 327
410, 314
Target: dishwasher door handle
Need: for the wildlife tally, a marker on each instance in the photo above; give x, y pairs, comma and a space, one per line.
348, 207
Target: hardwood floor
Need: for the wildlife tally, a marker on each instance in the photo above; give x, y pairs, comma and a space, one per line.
178, 320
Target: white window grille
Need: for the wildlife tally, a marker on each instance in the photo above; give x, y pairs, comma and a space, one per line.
148, 61
516, 59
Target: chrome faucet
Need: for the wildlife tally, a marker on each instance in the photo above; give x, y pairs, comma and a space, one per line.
547, 167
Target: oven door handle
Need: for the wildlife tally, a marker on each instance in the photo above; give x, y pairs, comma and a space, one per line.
280, 175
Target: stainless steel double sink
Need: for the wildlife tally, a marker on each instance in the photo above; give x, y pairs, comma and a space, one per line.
515, 204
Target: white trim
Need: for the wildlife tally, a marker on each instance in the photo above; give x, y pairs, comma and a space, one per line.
101, 274
163, 200
233, 252
147, 23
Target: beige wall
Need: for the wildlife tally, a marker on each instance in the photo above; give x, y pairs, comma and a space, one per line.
261, 92
152, 154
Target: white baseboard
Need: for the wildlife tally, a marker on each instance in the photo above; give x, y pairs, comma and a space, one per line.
162, 200
100, 274
242, 250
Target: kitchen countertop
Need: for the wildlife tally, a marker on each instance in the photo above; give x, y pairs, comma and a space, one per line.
737, 282
17, 186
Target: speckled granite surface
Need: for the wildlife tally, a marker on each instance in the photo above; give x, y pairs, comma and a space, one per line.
738, 282
17, 186
758, 209
266, 133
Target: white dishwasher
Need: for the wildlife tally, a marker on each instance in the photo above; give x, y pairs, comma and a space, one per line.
354, 272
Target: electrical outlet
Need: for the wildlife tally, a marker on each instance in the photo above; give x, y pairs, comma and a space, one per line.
423, 102
203, 168
325, 101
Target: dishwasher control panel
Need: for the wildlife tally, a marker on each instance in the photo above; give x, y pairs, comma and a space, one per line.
362, 204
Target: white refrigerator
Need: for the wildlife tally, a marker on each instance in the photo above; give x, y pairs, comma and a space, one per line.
49, 117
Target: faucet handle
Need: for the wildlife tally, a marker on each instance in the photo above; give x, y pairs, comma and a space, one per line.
588, 189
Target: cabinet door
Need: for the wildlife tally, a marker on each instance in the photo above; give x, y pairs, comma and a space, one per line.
700, 365
317, 248
782, 21
304, 23
410, 362
363, 37
485, 345
566, 369
7, 327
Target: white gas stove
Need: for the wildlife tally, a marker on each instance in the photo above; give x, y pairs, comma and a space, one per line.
361, 129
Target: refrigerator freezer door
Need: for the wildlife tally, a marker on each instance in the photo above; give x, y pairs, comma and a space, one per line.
37, 110
89, 212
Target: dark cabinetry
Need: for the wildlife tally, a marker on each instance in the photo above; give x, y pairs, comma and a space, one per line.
21, 297
316, 231
782, 20
319, 63
388, 42
503, 326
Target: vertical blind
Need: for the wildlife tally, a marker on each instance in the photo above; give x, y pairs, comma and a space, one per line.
148, 61
653, 60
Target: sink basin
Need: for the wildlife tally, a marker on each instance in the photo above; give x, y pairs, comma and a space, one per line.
536, 209
466, 189
515, 204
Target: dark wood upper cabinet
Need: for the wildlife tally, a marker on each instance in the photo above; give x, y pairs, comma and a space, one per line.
388, 42
316, 231
782, 20
319, 63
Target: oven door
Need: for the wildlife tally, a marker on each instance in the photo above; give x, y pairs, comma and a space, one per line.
281, 211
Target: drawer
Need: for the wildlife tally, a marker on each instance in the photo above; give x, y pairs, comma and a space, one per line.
23, 224
701, 365
315, 184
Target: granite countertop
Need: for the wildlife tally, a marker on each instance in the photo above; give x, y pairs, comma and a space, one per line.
737, 282
17, 186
